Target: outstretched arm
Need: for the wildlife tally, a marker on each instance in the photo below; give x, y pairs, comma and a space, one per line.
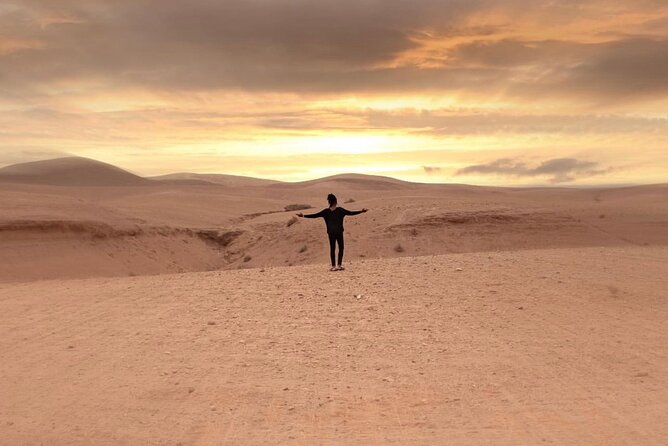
347, 212
316, 215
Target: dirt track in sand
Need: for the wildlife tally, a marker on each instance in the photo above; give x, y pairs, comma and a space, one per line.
565, 346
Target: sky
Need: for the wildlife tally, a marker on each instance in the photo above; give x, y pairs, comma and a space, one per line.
490, 92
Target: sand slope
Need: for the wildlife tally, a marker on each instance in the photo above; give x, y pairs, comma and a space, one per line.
70, 171
565, 346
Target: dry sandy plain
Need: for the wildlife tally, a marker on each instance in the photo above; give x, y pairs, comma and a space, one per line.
194, 310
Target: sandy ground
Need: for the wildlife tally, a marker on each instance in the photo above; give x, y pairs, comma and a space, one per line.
194, 310
558, 346
54, 232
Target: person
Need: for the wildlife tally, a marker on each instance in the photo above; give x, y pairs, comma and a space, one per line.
333, 216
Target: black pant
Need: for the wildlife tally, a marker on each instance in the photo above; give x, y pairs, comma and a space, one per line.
333, 239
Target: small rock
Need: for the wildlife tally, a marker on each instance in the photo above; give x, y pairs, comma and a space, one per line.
70, 346
358, 296
191, 389
459, 269
214, 408
211, 323
520, 308
286, 388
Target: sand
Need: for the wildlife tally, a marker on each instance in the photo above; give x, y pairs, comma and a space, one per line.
195, 310
53, 231
562, 346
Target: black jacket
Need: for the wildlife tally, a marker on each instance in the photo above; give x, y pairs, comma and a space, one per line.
333, 218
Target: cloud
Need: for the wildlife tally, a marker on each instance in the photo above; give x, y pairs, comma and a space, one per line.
615, 70
213, 44
328, 46
557, 170
431, 170
455, 79
465, 122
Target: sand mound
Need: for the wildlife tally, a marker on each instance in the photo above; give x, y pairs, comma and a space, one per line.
219, 179
351, 181
70, 171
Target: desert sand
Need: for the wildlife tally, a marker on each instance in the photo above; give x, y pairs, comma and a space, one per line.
114, 223
191, 309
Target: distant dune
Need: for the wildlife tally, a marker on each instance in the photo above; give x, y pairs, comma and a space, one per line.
190, 222
353, 181
220, 179
70, 171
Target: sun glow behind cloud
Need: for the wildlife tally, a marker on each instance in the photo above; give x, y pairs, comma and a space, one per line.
293, 90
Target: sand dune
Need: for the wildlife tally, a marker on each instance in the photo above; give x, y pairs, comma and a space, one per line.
351, 182
221, 179
564, 346
70, 171
155, 226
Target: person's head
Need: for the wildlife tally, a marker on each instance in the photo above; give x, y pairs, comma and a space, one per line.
331, 199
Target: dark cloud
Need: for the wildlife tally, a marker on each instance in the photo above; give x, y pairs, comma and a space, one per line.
207, 43
430, 170
514, 53
328, 46
558, 170
613, 70
628, 67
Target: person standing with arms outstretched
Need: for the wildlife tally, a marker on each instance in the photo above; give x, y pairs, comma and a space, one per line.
333, 216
